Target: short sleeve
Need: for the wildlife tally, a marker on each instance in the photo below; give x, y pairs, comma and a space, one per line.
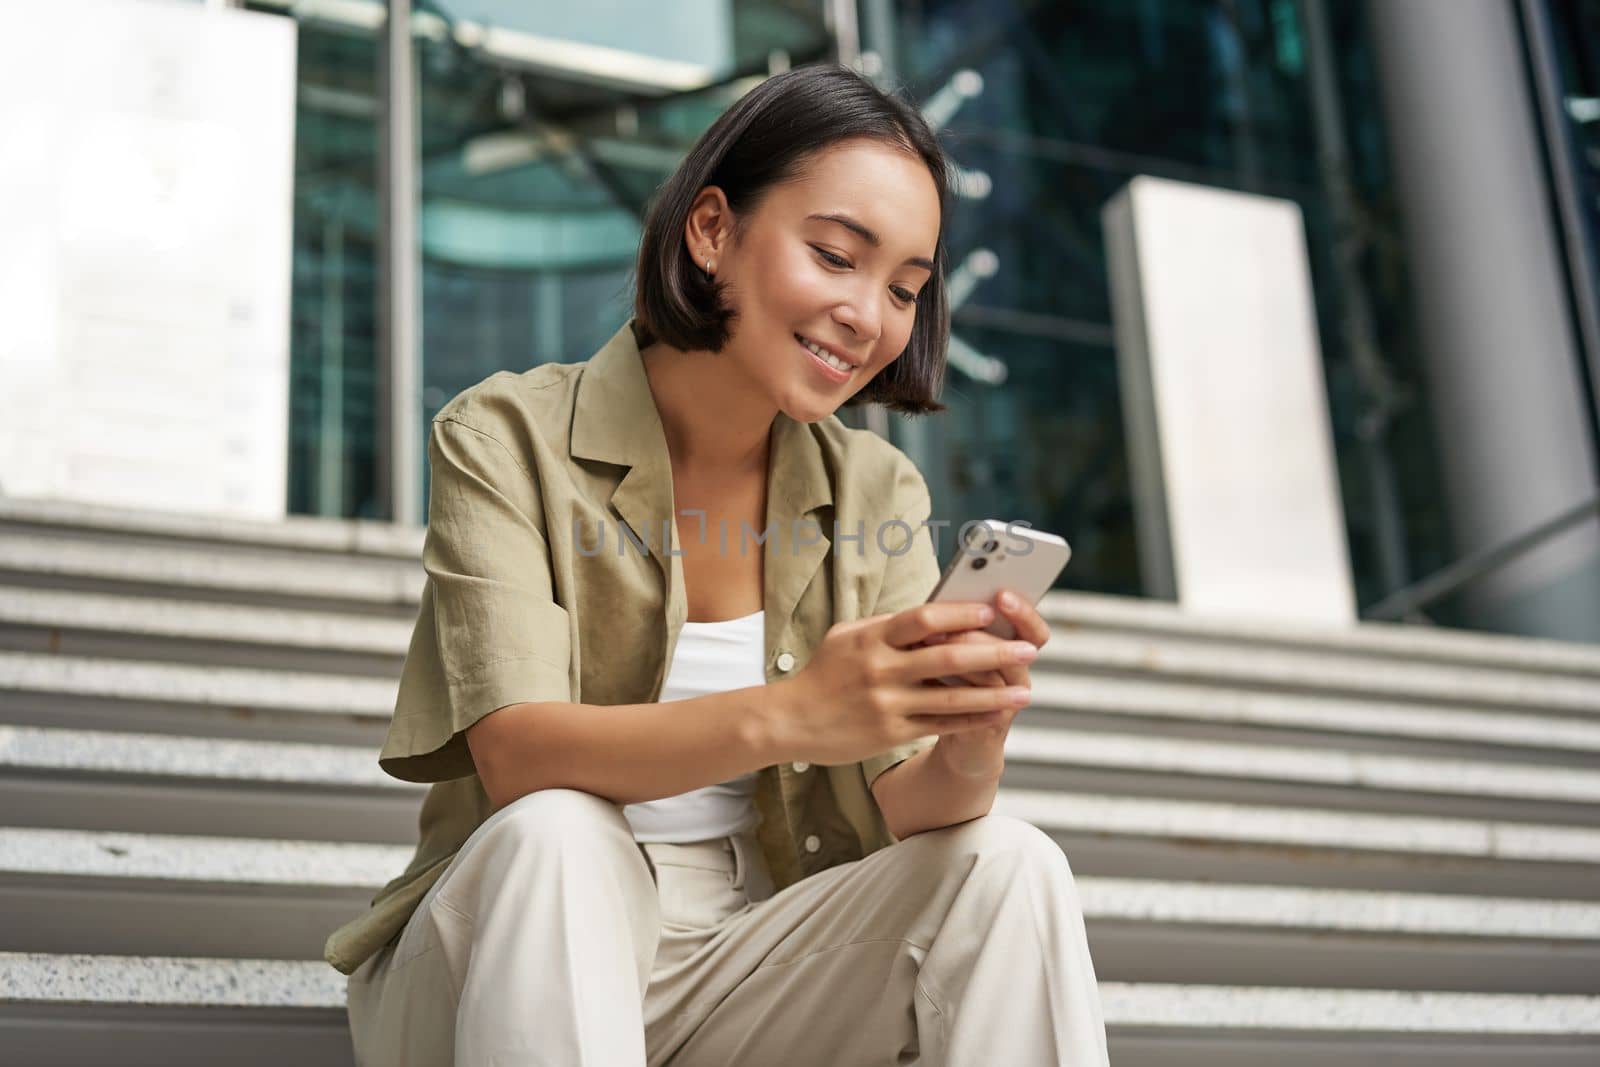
908, 579
488, 632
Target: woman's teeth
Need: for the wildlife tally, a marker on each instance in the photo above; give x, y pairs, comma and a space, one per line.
827, 357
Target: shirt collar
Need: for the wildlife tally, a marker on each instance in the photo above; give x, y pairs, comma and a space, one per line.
615, 421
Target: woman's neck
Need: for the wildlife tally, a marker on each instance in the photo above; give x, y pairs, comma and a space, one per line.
717, 424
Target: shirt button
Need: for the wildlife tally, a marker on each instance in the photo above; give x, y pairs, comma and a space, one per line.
802, 766
813, 842
786, 661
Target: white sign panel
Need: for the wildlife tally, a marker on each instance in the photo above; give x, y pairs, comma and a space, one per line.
146, 184
1236, 493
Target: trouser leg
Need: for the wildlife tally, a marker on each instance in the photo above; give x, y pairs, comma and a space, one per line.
1009, 976
955, 947
541, 934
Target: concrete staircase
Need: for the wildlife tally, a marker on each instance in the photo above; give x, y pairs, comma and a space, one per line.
1294, 845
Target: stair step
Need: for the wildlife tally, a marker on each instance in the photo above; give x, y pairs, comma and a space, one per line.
1305, 832
97, 979
1078, 612
84, 752
81, 691
182, 858
306, 692
152, 783
157, 755
84, 758
1215, 1024
1353, 769
1157, 931
1166, 702
252, 861
1306, 827
1158, 838
162, 628
235, 575
1045, 757
1319, 671
42, 518
71, 890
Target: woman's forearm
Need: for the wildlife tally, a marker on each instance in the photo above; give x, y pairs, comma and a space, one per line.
628, 753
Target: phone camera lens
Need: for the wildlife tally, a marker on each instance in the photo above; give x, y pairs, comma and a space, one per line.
979, 563
990, 545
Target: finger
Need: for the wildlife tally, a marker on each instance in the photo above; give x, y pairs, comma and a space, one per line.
960, 637
954, 658
955, 724
938, 703
1024, 617
988, 678
915, 625
1017, 675
963, 635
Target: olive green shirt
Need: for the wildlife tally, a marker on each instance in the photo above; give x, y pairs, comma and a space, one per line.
523, 602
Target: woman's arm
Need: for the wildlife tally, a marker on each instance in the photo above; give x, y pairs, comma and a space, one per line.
627, 753
924, 793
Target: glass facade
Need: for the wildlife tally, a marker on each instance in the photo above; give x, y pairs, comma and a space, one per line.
534, 176
1078, 99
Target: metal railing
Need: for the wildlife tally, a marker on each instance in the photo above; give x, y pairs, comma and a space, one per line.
1407, 604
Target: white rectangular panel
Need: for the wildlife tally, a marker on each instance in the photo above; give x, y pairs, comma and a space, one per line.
1236, 491
146, 195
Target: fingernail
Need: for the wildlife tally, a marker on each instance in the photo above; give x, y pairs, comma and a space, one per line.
1007, 601
986, 614
1025, 653
1019, 694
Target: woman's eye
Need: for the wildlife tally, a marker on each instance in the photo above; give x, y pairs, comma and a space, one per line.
905, 296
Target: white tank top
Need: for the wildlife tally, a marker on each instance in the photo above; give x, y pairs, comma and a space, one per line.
710, 657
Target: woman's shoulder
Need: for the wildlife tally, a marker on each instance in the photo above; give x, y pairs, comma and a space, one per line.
512, 407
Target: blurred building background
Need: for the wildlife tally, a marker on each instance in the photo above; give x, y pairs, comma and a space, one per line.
478, 208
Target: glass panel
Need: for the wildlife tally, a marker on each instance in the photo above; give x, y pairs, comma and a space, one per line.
1075, 100
333, 347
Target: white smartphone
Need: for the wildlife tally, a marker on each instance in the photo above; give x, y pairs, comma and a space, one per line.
998, 555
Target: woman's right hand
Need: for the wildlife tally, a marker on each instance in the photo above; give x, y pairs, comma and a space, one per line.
870, 684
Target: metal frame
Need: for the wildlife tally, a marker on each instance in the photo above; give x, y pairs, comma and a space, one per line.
399, 451
1583, 273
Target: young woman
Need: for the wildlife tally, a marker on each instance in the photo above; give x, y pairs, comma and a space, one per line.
696, 799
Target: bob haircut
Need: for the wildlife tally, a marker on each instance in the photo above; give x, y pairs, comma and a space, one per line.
766, 138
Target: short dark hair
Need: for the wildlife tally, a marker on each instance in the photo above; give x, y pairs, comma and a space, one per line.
763, 140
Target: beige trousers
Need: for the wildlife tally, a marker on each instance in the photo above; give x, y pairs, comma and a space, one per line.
554, 939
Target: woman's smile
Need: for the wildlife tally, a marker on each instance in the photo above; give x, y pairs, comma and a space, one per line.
830, 365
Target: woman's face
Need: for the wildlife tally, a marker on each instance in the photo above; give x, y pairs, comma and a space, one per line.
837, 257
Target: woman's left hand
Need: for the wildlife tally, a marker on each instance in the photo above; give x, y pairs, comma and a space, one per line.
980, 753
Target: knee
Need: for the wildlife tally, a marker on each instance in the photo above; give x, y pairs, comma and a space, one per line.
1006, 837
552, 818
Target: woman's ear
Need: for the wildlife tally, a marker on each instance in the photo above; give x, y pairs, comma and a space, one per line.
709, 226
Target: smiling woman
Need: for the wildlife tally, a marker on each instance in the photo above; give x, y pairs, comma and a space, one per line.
699, 806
